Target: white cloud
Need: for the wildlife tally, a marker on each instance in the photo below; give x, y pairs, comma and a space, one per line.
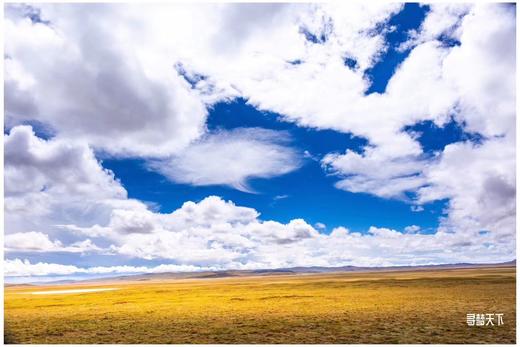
34, 241
443, 22
364, 172
56, 181
88, 82
212, 231
17, 268
320, 226
231, 158
479, 181
217, 233
379, 247
483, 68
412, 229
34, 165
416, 208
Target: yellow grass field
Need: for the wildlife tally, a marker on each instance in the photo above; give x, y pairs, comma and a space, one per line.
378, 307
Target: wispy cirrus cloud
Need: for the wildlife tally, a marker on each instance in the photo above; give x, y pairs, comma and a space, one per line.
231, 158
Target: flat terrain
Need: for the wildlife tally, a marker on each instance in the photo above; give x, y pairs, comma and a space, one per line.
373, 307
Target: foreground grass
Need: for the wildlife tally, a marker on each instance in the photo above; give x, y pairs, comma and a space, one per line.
390, 307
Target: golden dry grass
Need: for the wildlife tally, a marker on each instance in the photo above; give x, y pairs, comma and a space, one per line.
389, 307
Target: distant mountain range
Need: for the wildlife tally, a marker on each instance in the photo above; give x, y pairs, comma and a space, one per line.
283, 271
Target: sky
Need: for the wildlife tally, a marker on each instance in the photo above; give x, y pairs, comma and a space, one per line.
156, 138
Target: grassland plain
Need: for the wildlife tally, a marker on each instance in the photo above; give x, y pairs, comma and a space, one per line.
377, 307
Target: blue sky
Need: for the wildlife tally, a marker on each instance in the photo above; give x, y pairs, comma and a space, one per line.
315, 134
